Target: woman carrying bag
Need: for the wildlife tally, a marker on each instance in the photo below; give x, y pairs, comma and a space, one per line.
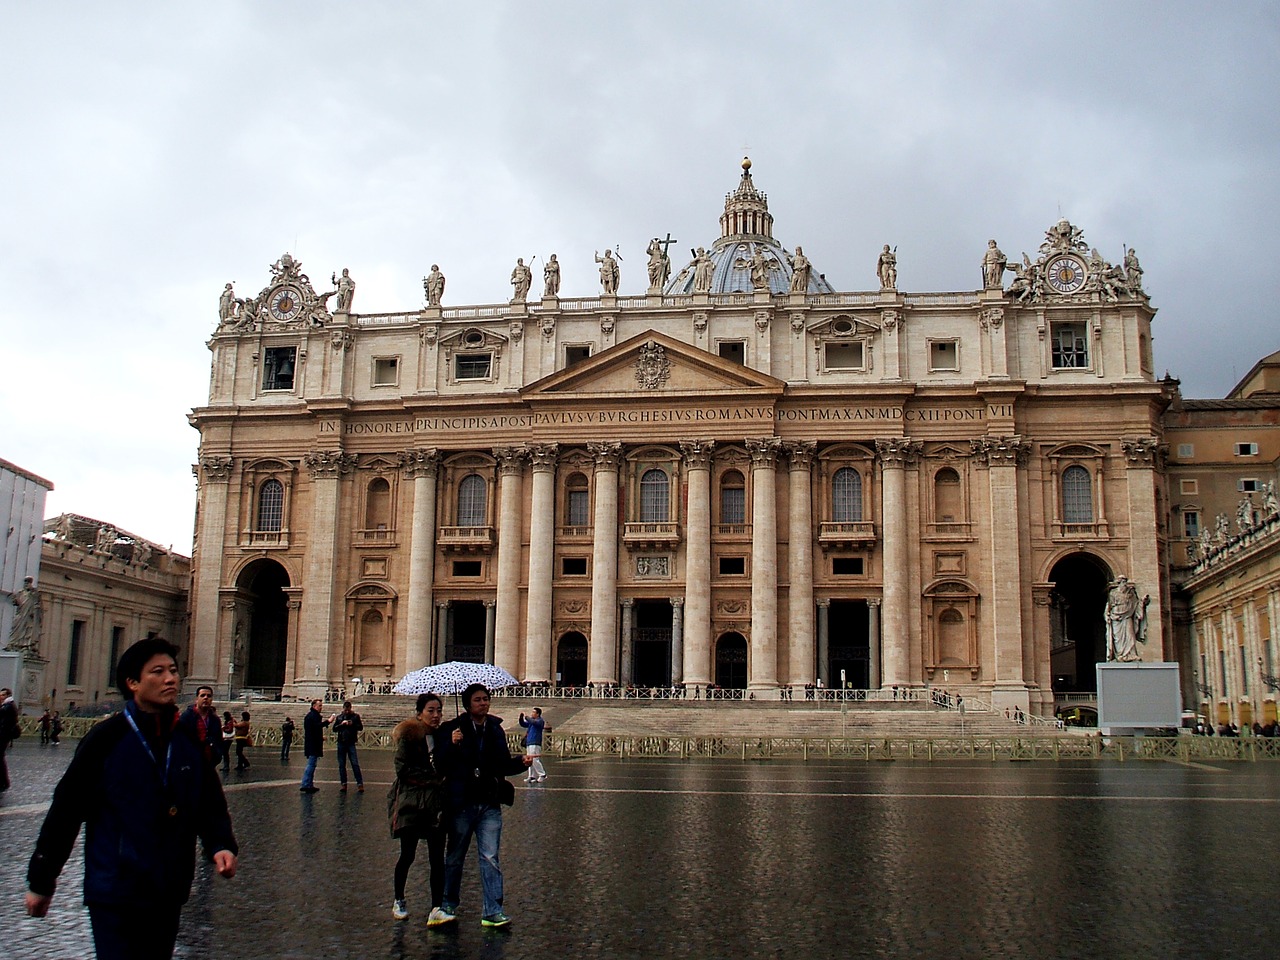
415, 804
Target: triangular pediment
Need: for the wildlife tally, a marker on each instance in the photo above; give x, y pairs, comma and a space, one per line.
654, 365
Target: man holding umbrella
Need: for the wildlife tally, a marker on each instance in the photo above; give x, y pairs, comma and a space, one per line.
476, 763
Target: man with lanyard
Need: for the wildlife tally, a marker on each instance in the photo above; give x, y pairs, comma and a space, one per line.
142, 787
201, 720
476, 762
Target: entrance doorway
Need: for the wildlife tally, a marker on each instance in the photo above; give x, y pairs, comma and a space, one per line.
571, 661
651, 649
731, 662
466, 631
264, 582
848, 645
1077, 629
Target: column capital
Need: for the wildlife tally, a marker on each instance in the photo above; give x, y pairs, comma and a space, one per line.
542, 456
490, 604
697, 453
329, 464
1143, 451
213, 469
823, 603
424, 462
800, 453
607, 455
677, 603
510, 459
443, 604
1000, 451
627, 603
874, 601
991, 317
764, 451
898, 451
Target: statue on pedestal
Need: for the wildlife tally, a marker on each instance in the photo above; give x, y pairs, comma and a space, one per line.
346, 291
521, 279
551, 278
703, 271
609, 272
993, 267
1126, 619
887, 268
800, 270
433, 286
24, 635
659, 265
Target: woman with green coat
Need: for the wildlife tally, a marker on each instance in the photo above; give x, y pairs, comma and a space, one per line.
415, 804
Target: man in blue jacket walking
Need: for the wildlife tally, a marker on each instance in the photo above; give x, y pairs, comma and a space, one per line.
144, 789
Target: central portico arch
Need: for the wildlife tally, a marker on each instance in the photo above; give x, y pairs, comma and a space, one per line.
1077, 630
260, 633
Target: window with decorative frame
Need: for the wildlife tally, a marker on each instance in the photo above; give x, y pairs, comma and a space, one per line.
653, 476
846, 496
655, 496
733, 498
270, 516
577, 502
267, 491
1079, 503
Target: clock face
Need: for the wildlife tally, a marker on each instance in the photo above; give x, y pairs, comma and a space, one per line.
1066, 274
286, 303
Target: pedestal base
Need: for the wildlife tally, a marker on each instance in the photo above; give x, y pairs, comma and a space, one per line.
1134, 698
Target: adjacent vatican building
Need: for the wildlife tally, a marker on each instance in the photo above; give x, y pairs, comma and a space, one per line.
739, 476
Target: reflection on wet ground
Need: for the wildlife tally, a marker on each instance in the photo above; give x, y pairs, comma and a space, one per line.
712, 859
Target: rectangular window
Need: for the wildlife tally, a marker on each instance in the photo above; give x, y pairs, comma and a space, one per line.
1248, 485
1246, 449
466, 568
1191, 524
733, 505
117, 640
844, 356
579, 508
944, 355
846, 566
386, 371
278, 367
1186, 451
73, 655
573, 566
734, 350
733, 566
1070, 346
473, 366
575, 355
1189, 487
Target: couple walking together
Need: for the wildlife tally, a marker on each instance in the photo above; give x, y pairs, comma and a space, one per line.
450, 785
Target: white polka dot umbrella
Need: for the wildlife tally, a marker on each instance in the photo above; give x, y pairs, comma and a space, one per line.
453, 677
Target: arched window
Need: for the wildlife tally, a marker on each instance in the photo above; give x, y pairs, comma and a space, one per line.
947, 504
577, 507
471, 501
1077, 495
733, 498
655, 497
378, 505
270, 506
846, 496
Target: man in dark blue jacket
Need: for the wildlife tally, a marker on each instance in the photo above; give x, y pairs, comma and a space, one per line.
312, 745
476, 762
145, 791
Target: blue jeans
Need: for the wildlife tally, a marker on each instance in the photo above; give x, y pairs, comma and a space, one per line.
345, 751
309, 774
486, 823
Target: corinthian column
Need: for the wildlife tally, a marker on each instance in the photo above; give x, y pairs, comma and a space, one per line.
894, 454
213, 474
314, 667
506, 648
542, 542
696, 666
800, 567
602, 654
421, 466
764, 563
1001, 456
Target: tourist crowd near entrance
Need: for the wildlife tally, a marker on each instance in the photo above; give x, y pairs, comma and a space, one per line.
740, 476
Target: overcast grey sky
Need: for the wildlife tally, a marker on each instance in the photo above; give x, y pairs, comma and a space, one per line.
154, 152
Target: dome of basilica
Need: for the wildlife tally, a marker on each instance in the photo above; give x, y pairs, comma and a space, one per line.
746, 255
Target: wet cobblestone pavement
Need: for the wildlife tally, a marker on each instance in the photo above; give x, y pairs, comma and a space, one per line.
715, 859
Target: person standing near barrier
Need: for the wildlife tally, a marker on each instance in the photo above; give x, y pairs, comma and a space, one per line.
312, 745
244, 740
286, 738
415, 804
533, 744
140, 784
346, 727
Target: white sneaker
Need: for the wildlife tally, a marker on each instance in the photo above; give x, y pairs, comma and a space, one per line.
438, 917
399, 910
541, 778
